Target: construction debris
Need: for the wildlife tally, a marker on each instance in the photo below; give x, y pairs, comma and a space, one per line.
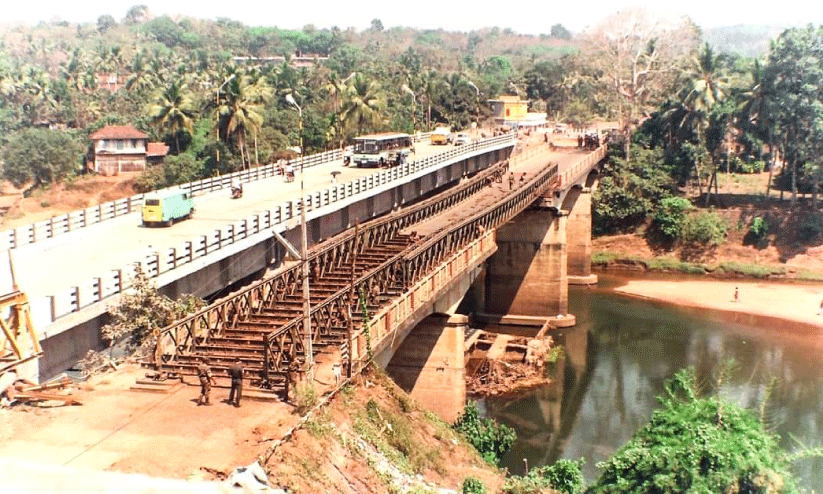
55, 392
498, 364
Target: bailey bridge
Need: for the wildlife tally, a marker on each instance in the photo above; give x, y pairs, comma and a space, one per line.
502, 244
402, 281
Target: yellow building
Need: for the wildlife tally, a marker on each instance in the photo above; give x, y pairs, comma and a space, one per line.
512, 111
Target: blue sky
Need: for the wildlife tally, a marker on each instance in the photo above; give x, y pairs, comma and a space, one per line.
526, 16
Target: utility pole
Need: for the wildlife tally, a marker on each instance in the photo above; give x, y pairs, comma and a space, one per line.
304, 253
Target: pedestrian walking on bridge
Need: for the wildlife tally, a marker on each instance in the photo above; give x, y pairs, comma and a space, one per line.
236, 375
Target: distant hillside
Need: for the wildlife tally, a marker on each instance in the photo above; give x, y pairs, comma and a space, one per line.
746, 40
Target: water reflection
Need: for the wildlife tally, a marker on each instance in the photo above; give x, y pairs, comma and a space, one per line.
620, 354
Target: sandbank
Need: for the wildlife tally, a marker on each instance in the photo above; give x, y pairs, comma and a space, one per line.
798, 303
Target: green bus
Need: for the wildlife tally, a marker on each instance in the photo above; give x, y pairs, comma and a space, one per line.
166, 207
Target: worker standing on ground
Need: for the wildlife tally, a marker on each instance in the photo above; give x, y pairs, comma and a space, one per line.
206, 381
236, 374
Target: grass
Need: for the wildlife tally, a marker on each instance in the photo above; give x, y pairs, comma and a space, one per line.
729, 268
665, 264
807, 275
751, 270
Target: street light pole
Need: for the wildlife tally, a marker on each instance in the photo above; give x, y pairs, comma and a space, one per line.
307, 335
217, 118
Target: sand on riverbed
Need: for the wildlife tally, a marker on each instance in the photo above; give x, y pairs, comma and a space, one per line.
790, 302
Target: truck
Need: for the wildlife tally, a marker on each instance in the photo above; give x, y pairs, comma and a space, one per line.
441, 135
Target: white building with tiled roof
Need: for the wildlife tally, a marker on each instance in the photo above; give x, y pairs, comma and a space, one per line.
123, 148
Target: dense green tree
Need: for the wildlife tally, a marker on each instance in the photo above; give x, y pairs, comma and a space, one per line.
795, 74
560, 32
105, 22
40, 157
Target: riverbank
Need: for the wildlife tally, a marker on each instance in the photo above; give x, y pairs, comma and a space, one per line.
795, 302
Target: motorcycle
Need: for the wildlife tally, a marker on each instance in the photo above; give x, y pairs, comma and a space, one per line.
237, 192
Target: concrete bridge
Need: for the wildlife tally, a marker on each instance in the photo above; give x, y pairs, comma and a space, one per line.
503, 247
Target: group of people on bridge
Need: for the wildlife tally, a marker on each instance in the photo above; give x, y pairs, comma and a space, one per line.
590, 140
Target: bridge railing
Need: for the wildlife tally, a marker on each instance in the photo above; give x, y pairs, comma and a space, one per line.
155, 263
570, 175
180, 336
389, 319
60, 225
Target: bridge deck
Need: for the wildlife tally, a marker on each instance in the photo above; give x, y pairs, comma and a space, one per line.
281, 346
74, 258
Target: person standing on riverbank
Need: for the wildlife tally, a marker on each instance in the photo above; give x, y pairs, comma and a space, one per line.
736, 294
820, 312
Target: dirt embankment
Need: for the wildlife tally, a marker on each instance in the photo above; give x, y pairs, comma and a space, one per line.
60, 199
372, 438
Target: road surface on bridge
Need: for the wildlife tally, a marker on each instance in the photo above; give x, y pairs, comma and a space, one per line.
564, 157
69, 260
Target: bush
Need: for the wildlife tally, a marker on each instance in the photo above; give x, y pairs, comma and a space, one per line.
472, 485
810, 227
699, 445
669, 217
305, 397
704, 228
490, 439
758, 230
564, 476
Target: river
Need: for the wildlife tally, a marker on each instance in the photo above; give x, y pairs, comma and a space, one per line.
618, 357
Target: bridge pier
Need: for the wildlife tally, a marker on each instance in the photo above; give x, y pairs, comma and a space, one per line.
430, 366
579, 235
527, 276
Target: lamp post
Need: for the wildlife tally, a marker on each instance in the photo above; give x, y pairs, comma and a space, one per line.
307, 341
217, 117
406, 89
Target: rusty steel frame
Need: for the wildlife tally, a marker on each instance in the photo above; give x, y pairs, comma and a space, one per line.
283, 345
184, 336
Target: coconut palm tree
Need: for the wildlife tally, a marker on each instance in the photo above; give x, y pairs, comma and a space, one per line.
757, 113
363, 103
240, 109
707, 87
173, 111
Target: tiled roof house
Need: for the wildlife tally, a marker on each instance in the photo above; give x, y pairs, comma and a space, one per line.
122, 148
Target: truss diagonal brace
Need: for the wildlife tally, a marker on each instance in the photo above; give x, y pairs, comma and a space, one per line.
289, 247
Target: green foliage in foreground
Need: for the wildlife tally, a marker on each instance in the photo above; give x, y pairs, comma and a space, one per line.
490, 439
472, 485
563, 476
697, 445
143, 312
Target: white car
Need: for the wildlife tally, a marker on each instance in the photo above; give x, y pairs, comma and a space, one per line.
462, 138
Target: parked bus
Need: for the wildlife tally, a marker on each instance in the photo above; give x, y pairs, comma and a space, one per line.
165, 207
381, 149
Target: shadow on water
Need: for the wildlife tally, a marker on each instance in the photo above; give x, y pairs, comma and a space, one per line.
619, 356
